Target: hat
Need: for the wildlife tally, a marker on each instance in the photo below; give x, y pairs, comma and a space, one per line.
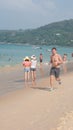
33, 57
26, 58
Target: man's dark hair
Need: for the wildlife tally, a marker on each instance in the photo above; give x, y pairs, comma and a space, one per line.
54, 48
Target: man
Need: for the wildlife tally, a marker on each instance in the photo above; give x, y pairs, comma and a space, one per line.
55, 61
41, 59
41, 64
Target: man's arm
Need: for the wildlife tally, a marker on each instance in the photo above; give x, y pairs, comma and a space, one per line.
60, 60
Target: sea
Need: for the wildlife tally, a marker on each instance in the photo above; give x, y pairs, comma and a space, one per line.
13, 53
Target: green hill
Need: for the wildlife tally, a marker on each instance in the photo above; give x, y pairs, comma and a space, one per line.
59, 33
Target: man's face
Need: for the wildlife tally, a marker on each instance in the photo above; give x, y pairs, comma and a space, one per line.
54, 51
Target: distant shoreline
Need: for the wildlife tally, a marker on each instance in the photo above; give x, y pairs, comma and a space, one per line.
12, 78
69, 65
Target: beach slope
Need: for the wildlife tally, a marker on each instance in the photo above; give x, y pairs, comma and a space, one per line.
37, 108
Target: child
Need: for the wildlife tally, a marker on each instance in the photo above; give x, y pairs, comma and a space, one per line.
33, 69
26, 65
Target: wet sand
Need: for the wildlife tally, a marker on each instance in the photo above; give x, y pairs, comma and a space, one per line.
35, 108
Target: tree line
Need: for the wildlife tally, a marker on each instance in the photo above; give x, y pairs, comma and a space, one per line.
57, 33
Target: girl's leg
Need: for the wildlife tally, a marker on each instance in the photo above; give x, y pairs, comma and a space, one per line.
25, 78
34, 77
28, 76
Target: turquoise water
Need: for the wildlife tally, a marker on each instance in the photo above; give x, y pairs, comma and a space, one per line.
12, 54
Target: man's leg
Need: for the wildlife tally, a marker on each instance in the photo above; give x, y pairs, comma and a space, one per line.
59, 80
57, 75
51, 81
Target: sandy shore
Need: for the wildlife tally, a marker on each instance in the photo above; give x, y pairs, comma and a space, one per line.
35, 108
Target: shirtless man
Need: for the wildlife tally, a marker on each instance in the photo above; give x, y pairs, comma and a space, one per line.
55, 61
64, 63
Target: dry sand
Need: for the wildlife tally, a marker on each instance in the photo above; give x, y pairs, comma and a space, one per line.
35, 108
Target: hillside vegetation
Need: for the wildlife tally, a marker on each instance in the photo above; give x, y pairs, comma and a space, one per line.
58, 33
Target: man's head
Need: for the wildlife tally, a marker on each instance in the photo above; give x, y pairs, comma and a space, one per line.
54, 50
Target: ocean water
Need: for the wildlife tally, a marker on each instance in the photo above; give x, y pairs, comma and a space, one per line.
12, 54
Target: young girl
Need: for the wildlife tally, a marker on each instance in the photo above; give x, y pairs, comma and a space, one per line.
26, 65
33, 69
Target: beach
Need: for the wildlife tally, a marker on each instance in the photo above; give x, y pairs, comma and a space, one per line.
35, 108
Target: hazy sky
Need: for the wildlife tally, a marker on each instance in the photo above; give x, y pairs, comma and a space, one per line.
29, 14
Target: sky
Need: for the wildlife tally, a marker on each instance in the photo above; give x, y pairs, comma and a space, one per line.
31, 14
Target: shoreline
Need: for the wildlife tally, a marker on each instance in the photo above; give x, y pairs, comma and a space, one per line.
12, 78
